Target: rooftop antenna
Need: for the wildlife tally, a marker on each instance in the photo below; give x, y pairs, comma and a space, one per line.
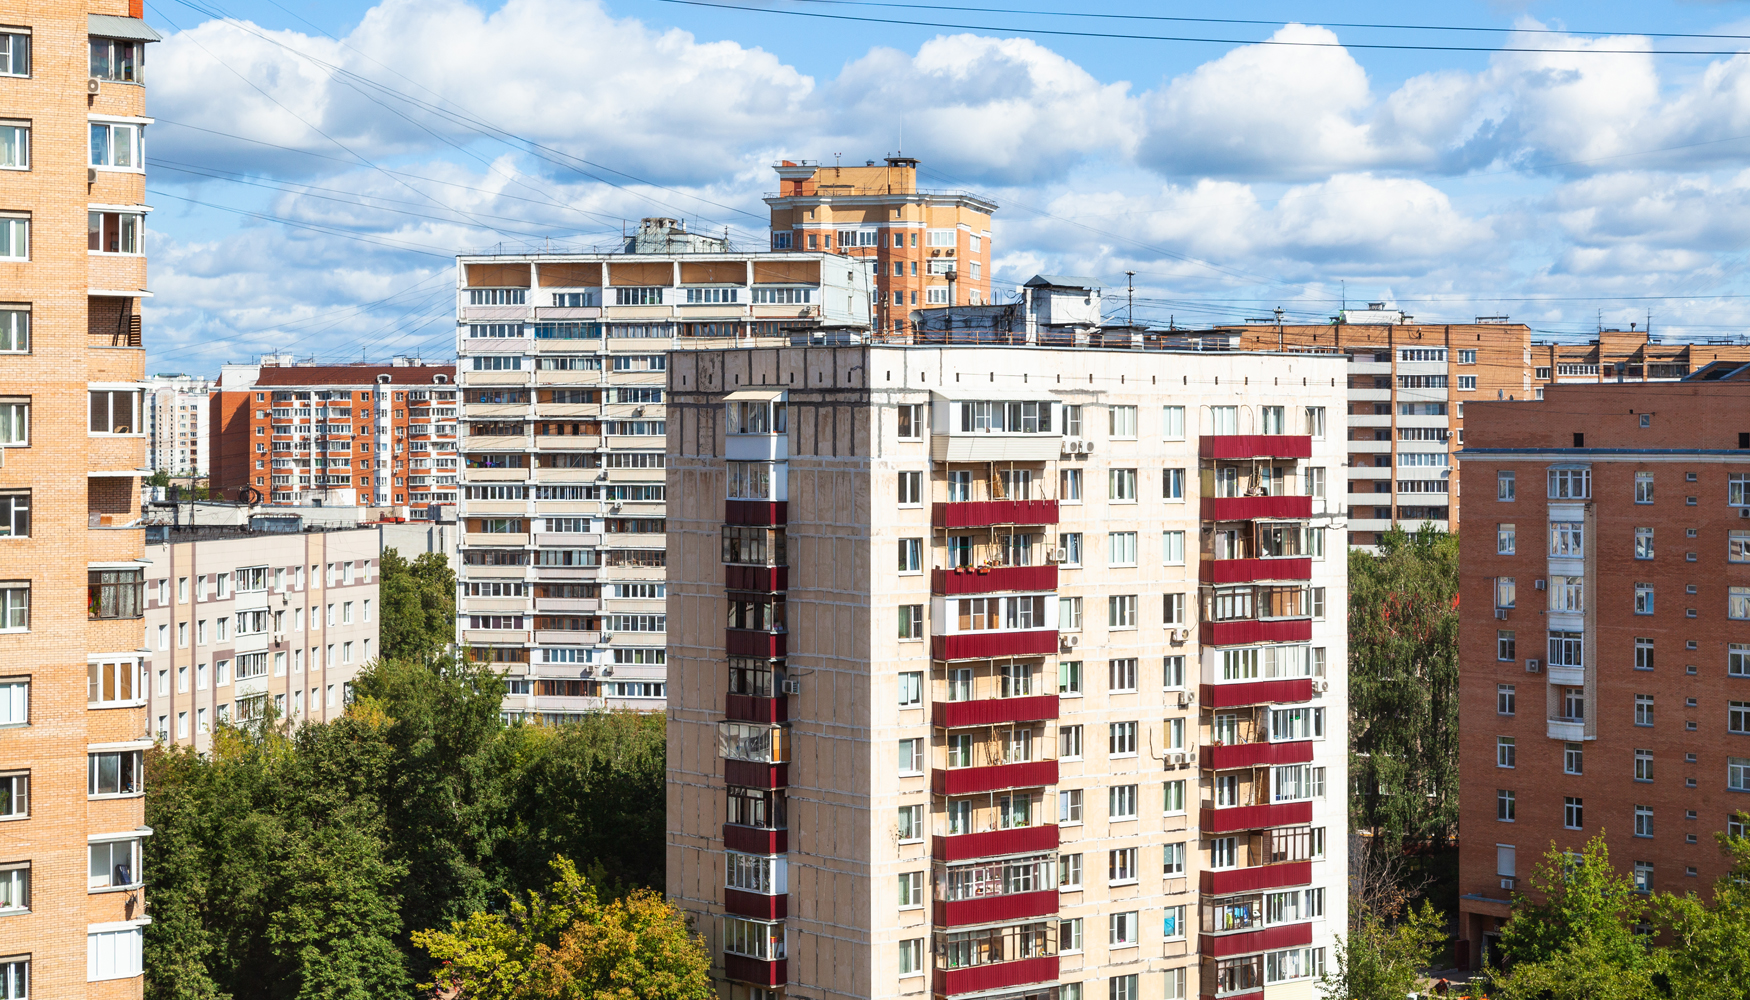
1130, 299
835, 160
1345, 293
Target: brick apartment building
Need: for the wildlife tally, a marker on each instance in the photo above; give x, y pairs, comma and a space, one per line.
72, 704
1605, 575
337, 435
1409, 383
927, 248
1007, 672
564, 410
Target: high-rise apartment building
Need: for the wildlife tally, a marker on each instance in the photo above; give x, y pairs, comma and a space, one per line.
72, 705
1606, 575
337, 435
562, 360
926, 248
177, 432
1409, 383
1007, 672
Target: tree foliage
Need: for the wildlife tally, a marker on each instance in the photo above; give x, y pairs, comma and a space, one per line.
419, 606
568, 945
1403, 686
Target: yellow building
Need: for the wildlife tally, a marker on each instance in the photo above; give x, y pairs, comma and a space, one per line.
927, 248
72, 695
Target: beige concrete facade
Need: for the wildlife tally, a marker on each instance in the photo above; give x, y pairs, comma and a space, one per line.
72, 210
240, 622
1107, 738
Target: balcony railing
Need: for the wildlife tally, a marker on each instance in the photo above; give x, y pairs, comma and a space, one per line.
755, 905
1226, 571
752, 708
755, 511
752, 970
994, 843
1247, 631
1570, 730
1254, 446
1252, 508
755, 840
1234, 818
993, 711
759, 579
996, 976
988, 645
992, 579
1257, 878
1267, 939
990, 909
967, 780
1222, 758
983, 513
1247, 693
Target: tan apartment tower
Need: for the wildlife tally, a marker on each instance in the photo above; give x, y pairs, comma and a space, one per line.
1010, 673
925, 248
72, 697
1606, 577
562, 357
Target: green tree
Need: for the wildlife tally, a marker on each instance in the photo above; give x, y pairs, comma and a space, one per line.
418, 606
1383, 956
160, 478
1709, 953
1403, 686
1576, 902
568, 945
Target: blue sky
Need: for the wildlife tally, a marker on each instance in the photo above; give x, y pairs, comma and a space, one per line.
317, 162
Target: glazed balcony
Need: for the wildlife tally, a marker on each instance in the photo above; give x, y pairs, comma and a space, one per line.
752, 970
1253, 508
994, 843
1262, 754
1249, 693
992, 579
1247, 942
1226, 882
994, 644
755, 511
1250, 631
755, 905
986, 513
997, 777
993, 711
1291, 569
755, 840
996, 976
1254, 446
992, 909
1235, 818
759, 579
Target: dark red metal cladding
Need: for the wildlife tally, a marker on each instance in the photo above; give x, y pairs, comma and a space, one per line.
755, 905
753, 840
1250, 631
761, 579
994, 843
1255, 817
993, 579
1246, 942
1227, 571
984, 645
750, 708
1232, 880
1254, 446
1256, 693
754, 774
745, 642
952, 982
990, 909
768, 512
1221, 758
1252, 508
752, 970
993, 711
969, 780
983, 513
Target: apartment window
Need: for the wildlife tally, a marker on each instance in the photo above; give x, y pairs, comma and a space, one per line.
1069, 677
1643, 710
1069, 806
115, 593
1643, 487
1506, 648
1121, 866
1643, 543
117, 60
1505, 535
1738, 602
14, 794
1123, 927
1121, 485
1069, 486
911, 427
911, 756
1121, 548
1505, 593
1069, 614
14, 54
15, 701
1738, 659
911, 489
911, 555
1738, 546
116, 146
1573, 758
911, 689
1224, 420
115, 411
1313, 483
1738, 717
1173, 423
1570, 484
911, 823
1574, 813
14, 422
1173, 548
1173, 797
1172, 672
115, 772
1643, 653
115, 232
1223, 853
114, 863
1173, 609
1506, 699
1122, 421
1069, 742
1123, 987
1504, 805
1315, 422
14, 898
1072, 547
1121, 739
1121, 611
911, 957
14, 146
1505, 488
1504, 752
1643, 765
1072, 421
1643, 598
911, 890
1173, 484
1121, 676
113, 954
14, 330
1737, 774
911, 621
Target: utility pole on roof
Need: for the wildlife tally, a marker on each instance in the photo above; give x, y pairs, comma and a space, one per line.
1130, 298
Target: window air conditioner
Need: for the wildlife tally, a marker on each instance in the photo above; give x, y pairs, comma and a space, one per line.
93, 86
1175, 759
1069, 641
1533, 666
1071, 446
1181, 634
1087, 447
1320, 685
1060, 555
1187, 699
1501, 613
791, 686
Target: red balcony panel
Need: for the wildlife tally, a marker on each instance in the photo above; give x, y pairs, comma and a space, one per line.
986, 645
1221, 571
1255, 446
1255, 817
952, 982
755, 905
1247, 942
760, 579
1256, 693
751, 970
755, 512
993, 579
994, 844
748, 708
990, 909
753, 774
982, 513
967, 780
993, 711
742, 642
1256, 879
1251, 630
1255, 754
753, 840
1251, 508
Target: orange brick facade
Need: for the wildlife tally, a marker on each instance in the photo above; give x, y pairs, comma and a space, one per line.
78, 295
1602, 700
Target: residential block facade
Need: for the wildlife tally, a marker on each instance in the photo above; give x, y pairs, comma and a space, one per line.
1604, 641
337, 435
72, 708
1007, 672
177, 431
562, 361
242, 621
925, 248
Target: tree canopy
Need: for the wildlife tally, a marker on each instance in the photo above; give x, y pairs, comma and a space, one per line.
419, 606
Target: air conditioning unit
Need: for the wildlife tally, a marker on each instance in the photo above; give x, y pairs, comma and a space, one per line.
1060, 554
1320, 685
93, 86
1744, 511
1071, 445
1087, 447
607, 670
607, 637
1541, 584
1501, 613
1181, 634
789, 686
1069, 641
586, 671
1533, 666
1175, 760
91, 175
1187, 699
639, 412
